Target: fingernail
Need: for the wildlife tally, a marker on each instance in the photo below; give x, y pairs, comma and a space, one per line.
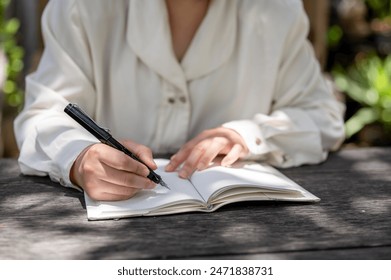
183, 174
226, 163
168, 167
201, 166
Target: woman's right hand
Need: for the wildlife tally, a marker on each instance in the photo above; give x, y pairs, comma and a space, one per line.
108, 174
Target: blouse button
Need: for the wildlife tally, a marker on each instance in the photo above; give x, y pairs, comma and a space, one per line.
258, 141
182, 99
171, 100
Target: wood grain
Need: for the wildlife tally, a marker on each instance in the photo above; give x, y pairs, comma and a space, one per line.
40, 219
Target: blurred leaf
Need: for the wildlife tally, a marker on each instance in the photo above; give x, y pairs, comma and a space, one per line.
11, 26
9, 87
334, 35
368, 82
363, 117
380, 8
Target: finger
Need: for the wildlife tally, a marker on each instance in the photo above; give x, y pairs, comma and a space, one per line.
114, 197
94, 174
142, 152
202, 155
110, 192
213, 150
116, 159
100, 159
181, 156
126, 179
233, 155
190, 165
177, 159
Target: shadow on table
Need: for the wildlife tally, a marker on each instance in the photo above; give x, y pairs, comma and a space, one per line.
351, 220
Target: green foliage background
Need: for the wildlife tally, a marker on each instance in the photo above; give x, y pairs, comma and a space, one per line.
366, 79
14, 53
368, 82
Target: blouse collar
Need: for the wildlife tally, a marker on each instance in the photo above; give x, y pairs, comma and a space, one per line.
149, 36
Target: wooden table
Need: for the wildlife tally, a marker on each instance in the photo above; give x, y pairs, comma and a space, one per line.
40, 219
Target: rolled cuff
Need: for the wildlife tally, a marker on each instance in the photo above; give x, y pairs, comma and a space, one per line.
252, 136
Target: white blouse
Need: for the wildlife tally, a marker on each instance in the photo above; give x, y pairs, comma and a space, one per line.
248, 68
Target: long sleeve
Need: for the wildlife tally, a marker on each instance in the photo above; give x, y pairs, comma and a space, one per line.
249, 68
305, 121
48, 139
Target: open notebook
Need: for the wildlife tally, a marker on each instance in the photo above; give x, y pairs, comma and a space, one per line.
205, 191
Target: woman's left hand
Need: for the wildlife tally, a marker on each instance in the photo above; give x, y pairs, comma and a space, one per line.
199, 152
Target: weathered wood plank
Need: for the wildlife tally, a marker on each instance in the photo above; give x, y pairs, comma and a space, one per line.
371, 253
41, 220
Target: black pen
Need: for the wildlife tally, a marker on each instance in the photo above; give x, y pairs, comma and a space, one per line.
104, 136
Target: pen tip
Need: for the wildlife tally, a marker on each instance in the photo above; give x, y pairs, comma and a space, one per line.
164, 184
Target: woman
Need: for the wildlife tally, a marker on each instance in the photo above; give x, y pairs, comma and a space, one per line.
193, 78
